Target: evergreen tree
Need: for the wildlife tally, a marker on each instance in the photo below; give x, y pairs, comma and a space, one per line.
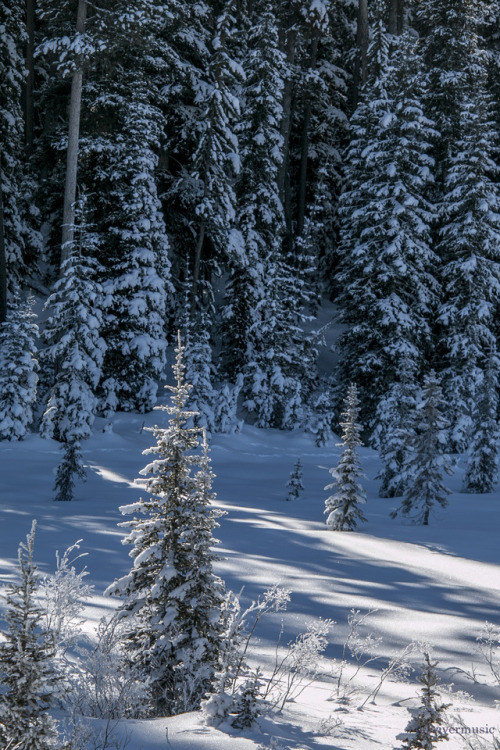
26, 672
425, 468
21, 241
18, 369
469, 246
393, 435
342, 508
426, 727
121, 137
259, 210
76, 351
386, 275
171, 594
216, 160
322, 415
294, 484
199, 367
481, 473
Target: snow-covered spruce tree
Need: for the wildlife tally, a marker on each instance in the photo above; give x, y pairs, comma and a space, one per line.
294, 484
321, 418
259, 215
171, 594
428, 461
75, 350
342, 507
226, 408
426, 727
262, 336
393, 435
469, 236
18, 369
199, 370
26, 671
481, 473
216, 160
20, 240
122, 137
387, 287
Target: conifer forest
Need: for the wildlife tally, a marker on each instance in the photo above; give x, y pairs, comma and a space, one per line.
270, 226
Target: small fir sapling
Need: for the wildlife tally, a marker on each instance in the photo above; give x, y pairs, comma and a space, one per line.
29, 681
248, 705
294, 484
425, 729
18, 369
426, 466
342, 507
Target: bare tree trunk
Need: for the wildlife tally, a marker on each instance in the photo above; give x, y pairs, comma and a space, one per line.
73, 141
396, 14
305, 144
197, 266
286, 124
360, 67
28, 101
3, 262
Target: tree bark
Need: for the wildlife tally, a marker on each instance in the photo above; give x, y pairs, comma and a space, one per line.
305, 144
396, 14
73, 142
360, 66
286, 124
197, 266
28, 100
3, 262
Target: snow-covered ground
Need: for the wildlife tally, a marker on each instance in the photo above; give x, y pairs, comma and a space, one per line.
435, 584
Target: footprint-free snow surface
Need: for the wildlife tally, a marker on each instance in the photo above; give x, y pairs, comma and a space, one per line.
434, 585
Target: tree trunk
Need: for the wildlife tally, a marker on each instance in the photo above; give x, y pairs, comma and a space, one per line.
396, 14
305, 144
286, 124
28, 100
197, 267
3, 262
360, 66
73, 141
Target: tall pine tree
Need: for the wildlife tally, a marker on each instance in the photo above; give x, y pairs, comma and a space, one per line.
171, 594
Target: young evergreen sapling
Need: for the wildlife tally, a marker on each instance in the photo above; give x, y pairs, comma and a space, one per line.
29, 682
425, 729
294, 484
342, 507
